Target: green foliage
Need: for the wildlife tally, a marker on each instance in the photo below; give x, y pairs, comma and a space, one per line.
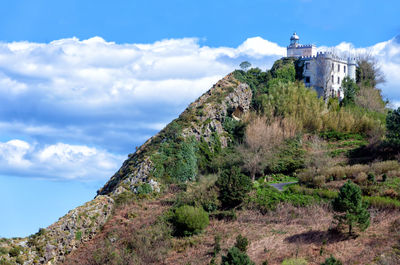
233, 187
78, 235
331, 261
176, 161
267, 198
289, 158
202, 193
350, 91
351, 208
383, 203
207, 152
245, 65
235, 129
338, 136
189, 220
384, 177
236, 257
242, 243
15, 251
371, 177
284, 70
393, 128
144, 188
295, 261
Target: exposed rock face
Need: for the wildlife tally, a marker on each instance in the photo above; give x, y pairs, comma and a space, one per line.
203, 117
52, 244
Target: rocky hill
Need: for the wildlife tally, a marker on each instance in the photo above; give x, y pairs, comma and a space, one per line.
201, 119
199, 191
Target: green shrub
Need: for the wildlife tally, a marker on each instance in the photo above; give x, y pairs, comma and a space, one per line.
351, 209
371, 177
295, 261
202, 193
331, 261
267, 198
176, 160
144, 188
78, 235
241, 243
189, 220
15, 251
382, 202
393, 128
233, 187
384, 177
236, 257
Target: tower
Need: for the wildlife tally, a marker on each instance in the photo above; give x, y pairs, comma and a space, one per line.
351, 62
294, 40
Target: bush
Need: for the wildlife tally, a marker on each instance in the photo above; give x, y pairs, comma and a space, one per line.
382, 202
351, 208
144, 188
14, 252
393, 128
236, 257
331, 261
241, 243
233, 187
384, 177
295, 261
371, 177
190, 220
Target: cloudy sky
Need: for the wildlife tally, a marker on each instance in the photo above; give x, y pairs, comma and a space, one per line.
83, 84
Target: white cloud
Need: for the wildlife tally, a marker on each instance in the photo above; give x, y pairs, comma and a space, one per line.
81, 103
58, 161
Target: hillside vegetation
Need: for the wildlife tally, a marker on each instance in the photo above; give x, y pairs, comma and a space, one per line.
199, 191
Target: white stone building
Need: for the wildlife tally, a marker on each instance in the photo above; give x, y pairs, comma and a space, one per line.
324, 71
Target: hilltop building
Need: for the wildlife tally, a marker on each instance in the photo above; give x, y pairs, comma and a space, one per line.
324, 71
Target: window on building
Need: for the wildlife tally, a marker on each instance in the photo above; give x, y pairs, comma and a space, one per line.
338, 80
333, 67
307, 66
333, 80
308, 79
338, 67
344, 69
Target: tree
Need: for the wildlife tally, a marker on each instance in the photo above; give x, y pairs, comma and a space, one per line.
350, 90
368, 72
393, 128
261, 142
236, 257
245, 65
233, 187
350, 208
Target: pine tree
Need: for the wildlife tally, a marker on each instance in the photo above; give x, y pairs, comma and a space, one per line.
350, 208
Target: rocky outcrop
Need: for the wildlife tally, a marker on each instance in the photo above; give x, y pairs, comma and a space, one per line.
201, 119
51, 245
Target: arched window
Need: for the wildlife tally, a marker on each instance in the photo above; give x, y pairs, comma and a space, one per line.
338, 67
338, 80
344, 69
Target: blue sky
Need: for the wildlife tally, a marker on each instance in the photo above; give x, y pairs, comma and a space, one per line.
84, 82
